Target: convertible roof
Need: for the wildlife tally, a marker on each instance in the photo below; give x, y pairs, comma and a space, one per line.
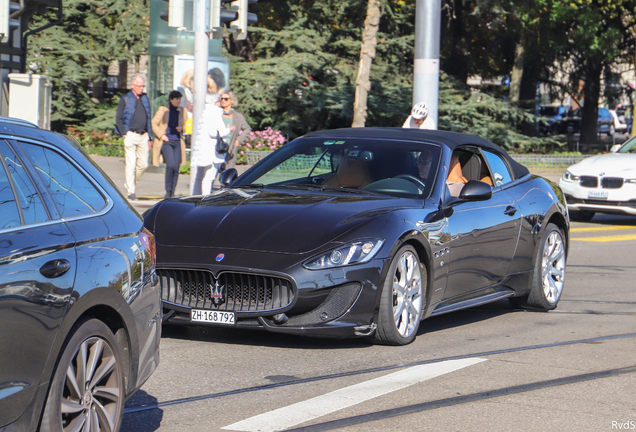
452, 140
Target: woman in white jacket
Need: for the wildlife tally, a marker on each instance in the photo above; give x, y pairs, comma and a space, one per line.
205, 162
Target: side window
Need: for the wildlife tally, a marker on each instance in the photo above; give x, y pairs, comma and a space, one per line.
500, 173
33, 210
9, 214
71, 191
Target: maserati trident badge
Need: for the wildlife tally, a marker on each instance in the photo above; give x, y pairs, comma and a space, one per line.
216, 293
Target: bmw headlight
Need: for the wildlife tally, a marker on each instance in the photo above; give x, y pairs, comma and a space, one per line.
632, 181
568, 176
356, 252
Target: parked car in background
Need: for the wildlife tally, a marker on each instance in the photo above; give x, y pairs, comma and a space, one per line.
551, 116
80, 312
358, 233
604, 183
571, 124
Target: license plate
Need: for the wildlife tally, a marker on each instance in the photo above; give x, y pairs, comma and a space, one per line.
597, 194
215, 317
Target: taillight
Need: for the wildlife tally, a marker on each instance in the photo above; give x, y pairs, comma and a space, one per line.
148, 240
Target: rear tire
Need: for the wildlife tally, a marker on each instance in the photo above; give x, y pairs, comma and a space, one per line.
549, 273
402, 300
87, 390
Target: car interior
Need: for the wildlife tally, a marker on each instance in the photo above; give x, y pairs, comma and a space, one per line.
467, 164
392, 172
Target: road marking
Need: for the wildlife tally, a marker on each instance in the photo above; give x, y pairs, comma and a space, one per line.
301, 412
607, 238
595, 229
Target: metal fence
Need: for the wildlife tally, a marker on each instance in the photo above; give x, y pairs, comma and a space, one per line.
548, 161
529, 160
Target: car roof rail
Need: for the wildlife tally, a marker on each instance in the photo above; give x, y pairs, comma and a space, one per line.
17, 121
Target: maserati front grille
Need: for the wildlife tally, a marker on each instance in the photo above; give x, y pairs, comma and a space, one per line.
243, 292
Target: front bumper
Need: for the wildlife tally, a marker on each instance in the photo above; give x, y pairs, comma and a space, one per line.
619, 201
337, 303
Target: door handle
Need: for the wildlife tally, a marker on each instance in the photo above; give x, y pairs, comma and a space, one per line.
510, 210
55, 268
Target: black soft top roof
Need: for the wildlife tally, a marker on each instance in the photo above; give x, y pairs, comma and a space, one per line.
452, 140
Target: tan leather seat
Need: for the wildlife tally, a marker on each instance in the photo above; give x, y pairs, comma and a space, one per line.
351, 173
455, 172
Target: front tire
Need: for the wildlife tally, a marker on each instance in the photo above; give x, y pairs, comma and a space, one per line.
87, 390
403, 299
549, 272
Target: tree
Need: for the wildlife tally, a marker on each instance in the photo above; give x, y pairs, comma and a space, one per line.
367, 54
599, 34
76, 55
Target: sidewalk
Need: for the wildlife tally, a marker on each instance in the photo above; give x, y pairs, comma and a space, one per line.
150, 189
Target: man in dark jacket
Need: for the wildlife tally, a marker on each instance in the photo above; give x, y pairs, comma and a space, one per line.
133, 123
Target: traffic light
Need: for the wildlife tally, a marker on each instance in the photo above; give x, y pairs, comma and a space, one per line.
174, 14
7, 25
244, 18
220, 15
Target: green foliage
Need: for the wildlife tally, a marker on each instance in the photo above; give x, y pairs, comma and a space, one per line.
480, 113
76, 55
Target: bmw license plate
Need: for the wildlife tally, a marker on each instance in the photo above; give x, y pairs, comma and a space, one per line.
214, 317
597, 194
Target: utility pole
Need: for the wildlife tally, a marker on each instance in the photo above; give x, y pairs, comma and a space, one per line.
201, 49
428, 15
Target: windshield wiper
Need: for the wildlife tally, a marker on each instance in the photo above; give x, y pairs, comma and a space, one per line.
250, 186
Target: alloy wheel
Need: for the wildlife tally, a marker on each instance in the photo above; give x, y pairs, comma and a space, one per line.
407, 294
553, 267
91, 395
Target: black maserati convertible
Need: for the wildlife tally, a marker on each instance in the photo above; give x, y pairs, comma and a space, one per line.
362, 233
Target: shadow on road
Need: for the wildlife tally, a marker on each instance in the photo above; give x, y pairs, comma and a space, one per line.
142, 421
611, 219
232, 336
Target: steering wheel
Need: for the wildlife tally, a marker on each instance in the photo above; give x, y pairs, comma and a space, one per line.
418, 181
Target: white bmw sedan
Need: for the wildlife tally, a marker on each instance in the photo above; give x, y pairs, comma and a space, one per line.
604, 183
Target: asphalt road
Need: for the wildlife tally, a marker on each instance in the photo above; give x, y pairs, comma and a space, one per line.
490, 368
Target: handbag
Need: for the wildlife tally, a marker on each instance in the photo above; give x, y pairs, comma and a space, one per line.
221, 145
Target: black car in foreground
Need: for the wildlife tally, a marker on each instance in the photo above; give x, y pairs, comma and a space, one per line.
356, 233
80, 308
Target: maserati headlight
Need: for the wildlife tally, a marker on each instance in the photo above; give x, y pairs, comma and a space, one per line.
568, 176
356, 252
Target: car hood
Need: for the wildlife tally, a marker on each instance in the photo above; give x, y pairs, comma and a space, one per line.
611, 165
267, 221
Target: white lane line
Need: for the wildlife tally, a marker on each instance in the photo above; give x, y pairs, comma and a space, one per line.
292, 415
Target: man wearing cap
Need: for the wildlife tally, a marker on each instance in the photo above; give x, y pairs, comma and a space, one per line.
419, 118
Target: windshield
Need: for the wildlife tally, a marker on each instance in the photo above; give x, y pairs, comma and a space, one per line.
381, 166
629, 146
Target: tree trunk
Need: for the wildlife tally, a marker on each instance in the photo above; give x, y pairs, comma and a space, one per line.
517, 72
457, 63
591, 92
122, 77
367, 54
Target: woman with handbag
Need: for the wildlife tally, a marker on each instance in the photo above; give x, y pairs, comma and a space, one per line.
207, 150
167, 126
235, 121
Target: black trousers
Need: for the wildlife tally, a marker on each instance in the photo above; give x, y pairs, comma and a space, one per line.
171, 152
